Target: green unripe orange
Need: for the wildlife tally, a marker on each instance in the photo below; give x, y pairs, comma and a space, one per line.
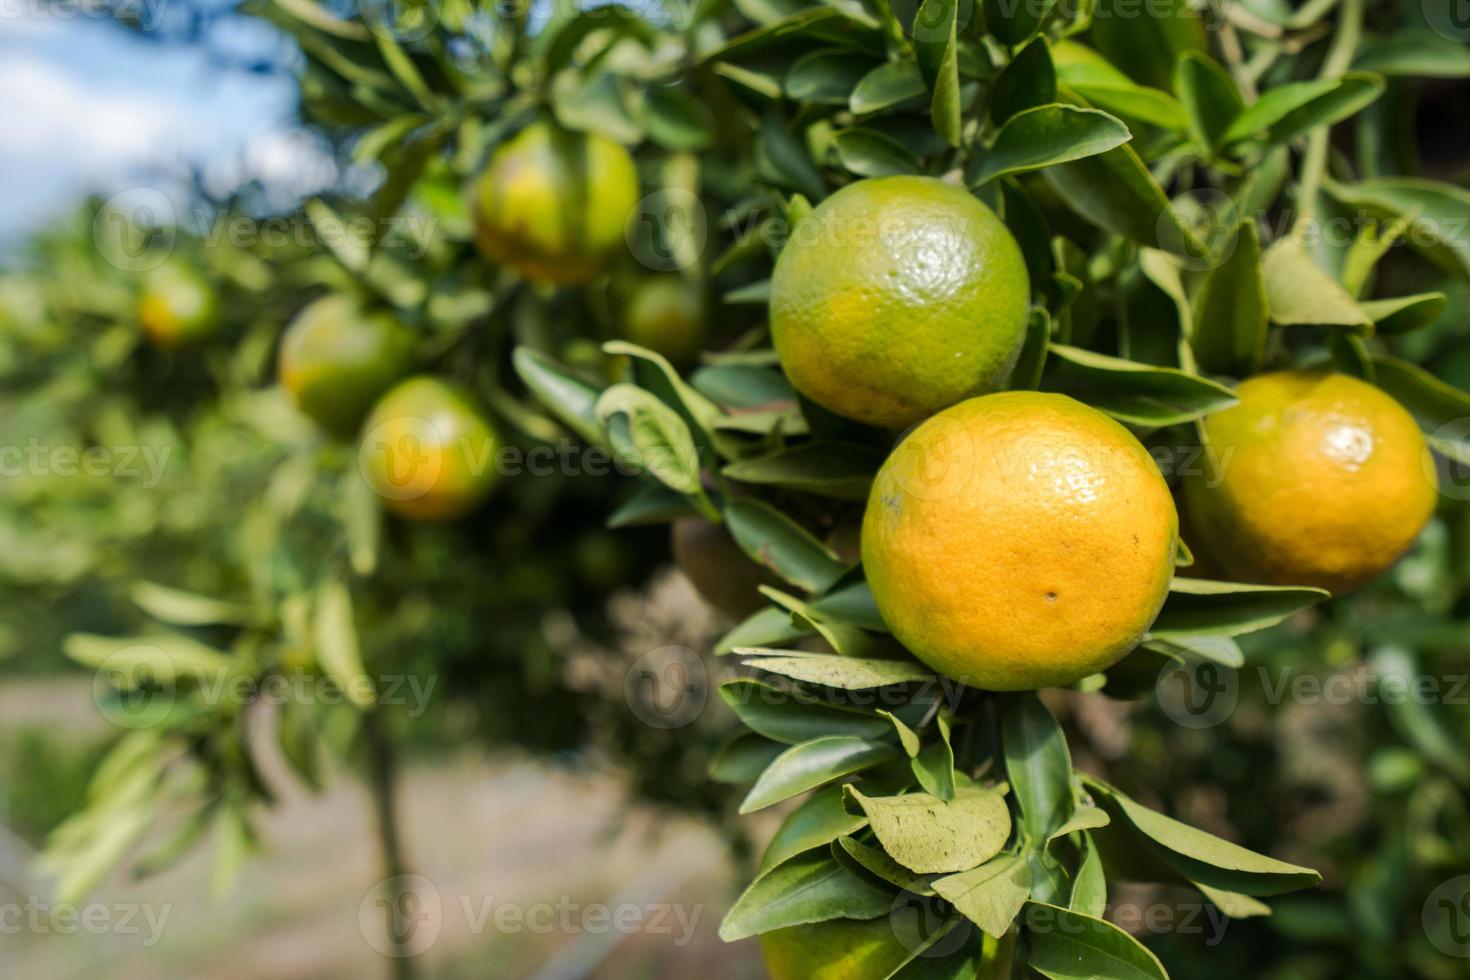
178, 306
429, 450
666, 314
898, 297
337, 358
553, 204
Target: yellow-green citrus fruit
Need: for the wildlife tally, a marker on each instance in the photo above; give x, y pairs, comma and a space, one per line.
838, 949
898, 297
552, 204
429, 450
178, 306
720, 572
1019, 540
666, 314
337, 358
1314, 478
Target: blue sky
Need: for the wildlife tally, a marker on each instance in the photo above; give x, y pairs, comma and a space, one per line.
86, 105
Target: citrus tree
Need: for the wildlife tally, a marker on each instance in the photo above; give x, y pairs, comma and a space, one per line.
1047, 350
1094, 254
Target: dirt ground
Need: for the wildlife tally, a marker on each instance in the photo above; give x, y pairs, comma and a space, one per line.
517, 858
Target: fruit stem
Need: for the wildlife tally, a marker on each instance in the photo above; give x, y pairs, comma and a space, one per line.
1339, 59
382, 779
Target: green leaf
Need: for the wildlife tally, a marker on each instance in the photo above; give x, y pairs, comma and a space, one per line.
819, 820
844, 673
1012, 22
776, 542
791, 717
877, 862
1440, 408
870, 153
1402, 314
783, 160
944, 109
1232, 904
1299, 291
676, 120
182, 608
136, 660
1116, 192
570, 398
827, 76
1145, 42
1028, 81
1287, 111
1217, 649
1049, 135
933, 767
991, 896
1139, 394
886, 87
810, 887
1090, 885
1201, 856
1038, 765
1441, 213
743, 758
814, 763
1229, 319
1067, 945
1090, 76
1083, 818
1210, 98
337, 650
928, 835
650, 435
830, 469
1415, 53
844, 638
1199, 607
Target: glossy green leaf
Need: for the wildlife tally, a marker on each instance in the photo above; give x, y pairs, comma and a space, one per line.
1209, 96
1199, 607
819, 820
1116, 192
646, 433
1038, 765
1404, 314
1287, 111
1441, 213
886, 87
776, 542
1013, 22
1229, 318
1139, 394
569, 397
1067, 945
877, 862
1049, 135
1440, 408
810, 887
826, 77
811, 764
743, 758
869, 153
1027, 82
831, 469
791, 717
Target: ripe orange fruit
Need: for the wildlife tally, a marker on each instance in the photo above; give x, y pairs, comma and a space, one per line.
552, 204
1315, 478
1019, 540
337, 358
178, 306
897, 297
429, 450
838, 949
666, 314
